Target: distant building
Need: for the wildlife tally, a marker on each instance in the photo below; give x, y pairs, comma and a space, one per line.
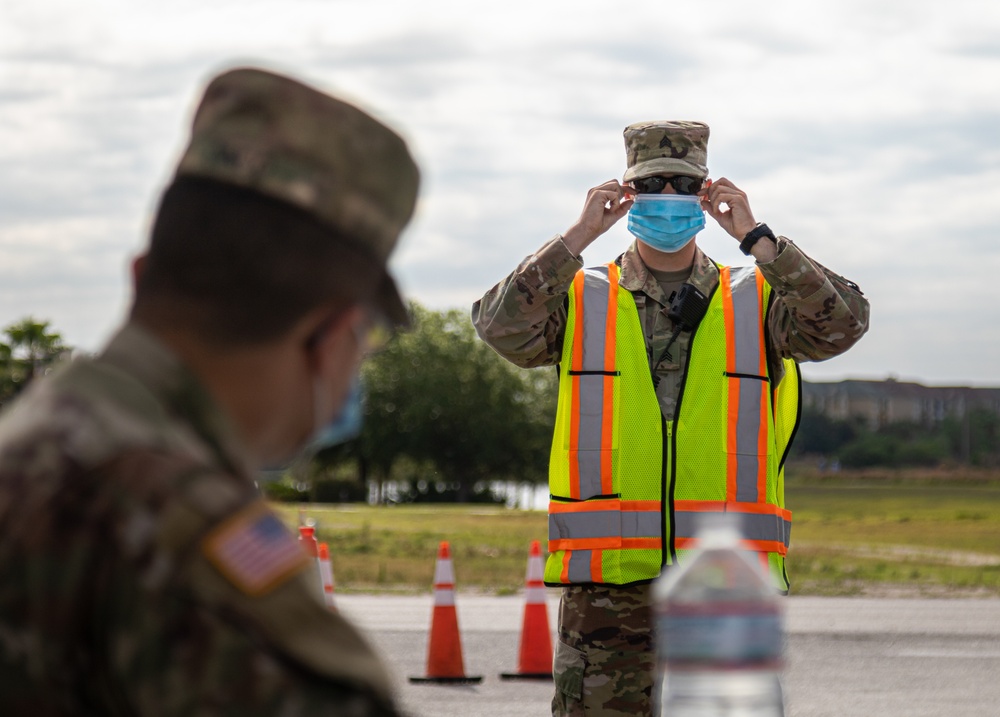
891, 401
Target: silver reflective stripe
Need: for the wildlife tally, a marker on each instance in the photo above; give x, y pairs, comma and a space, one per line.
787, 526
591, 424
753, 526
579, 567
589, 524
747, 348
746, 319
605, 524
641, 524
596, 290
596, 287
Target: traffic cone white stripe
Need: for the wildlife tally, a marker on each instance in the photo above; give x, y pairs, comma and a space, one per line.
444, 597
534, 596
326, 575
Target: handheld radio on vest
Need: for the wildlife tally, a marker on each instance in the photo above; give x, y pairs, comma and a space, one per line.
687, 309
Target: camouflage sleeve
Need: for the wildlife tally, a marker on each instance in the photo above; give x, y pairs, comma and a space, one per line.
817, 314
523, 316
211, 609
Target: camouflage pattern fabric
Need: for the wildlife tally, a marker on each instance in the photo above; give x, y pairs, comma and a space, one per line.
666, 148
274, 135
604, 658
816, 314
125, 502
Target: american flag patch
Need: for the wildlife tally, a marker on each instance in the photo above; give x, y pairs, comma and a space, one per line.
255, 550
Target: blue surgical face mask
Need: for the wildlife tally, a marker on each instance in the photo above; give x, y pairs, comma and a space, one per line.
666, 222
342, 427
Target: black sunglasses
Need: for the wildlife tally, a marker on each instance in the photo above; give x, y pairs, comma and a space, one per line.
682, 184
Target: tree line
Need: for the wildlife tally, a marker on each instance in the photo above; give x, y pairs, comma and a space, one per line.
971, 439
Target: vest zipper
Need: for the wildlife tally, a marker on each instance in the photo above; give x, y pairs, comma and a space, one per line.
667, 509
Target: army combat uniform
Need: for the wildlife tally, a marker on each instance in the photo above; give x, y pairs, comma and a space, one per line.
604, 657
141, 572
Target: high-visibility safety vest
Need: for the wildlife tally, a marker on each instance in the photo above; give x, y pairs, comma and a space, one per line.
627, 487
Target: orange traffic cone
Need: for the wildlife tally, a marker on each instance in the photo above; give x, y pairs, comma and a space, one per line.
535, 658
326, 575
307, 538
444, 652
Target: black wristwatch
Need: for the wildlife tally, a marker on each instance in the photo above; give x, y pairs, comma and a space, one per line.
754, 235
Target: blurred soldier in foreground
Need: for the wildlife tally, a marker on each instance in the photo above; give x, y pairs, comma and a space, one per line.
678, 395
140, 570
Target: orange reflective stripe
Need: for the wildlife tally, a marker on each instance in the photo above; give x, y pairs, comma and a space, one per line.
756, 546
574, 415
641, 505
564, 576
578, 283
571, 544
728, 315
607, 543
720, 506
583, 506
762, 439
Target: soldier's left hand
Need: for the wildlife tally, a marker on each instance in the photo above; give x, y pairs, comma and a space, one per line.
736, 218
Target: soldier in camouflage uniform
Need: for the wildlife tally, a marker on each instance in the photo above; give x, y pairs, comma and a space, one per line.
141, 572
604, 658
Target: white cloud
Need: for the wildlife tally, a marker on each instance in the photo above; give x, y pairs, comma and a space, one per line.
865, 132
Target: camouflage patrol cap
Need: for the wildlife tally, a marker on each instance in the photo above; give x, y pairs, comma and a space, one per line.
666, 148
271, 134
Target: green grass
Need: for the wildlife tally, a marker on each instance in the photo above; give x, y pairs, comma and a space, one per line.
394, 548
924, 538
849, 537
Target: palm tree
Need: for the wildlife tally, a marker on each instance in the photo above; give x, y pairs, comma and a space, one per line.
27, 348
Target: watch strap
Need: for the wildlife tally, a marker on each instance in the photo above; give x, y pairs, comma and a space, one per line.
754, 235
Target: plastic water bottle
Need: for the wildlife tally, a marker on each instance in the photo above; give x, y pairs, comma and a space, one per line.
720, 634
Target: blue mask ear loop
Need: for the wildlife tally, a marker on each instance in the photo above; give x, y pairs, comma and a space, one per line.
344, 426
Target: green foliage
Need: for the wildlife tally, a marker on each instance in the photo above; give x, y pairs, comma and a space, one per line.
901, 445
439, 492
339, 490
442, 407
285, 492
27, 348
821, 435
972, 440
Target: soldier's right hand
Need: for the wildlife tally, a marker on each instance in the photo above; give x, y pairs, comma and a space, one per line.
606, 204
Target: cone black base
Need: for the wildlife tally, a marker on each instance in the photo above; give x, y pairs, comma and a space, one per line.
540, 676
449, 680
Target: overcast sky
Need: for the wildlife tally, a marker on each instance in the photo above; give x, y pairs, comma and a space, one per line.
868, 132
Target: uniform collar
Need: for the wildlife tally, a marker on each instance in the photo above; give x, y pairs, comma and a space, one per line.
183, 396
636, 276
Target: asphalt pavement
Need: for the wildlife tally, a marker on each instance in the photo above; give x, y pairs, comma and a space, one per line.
845, 657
